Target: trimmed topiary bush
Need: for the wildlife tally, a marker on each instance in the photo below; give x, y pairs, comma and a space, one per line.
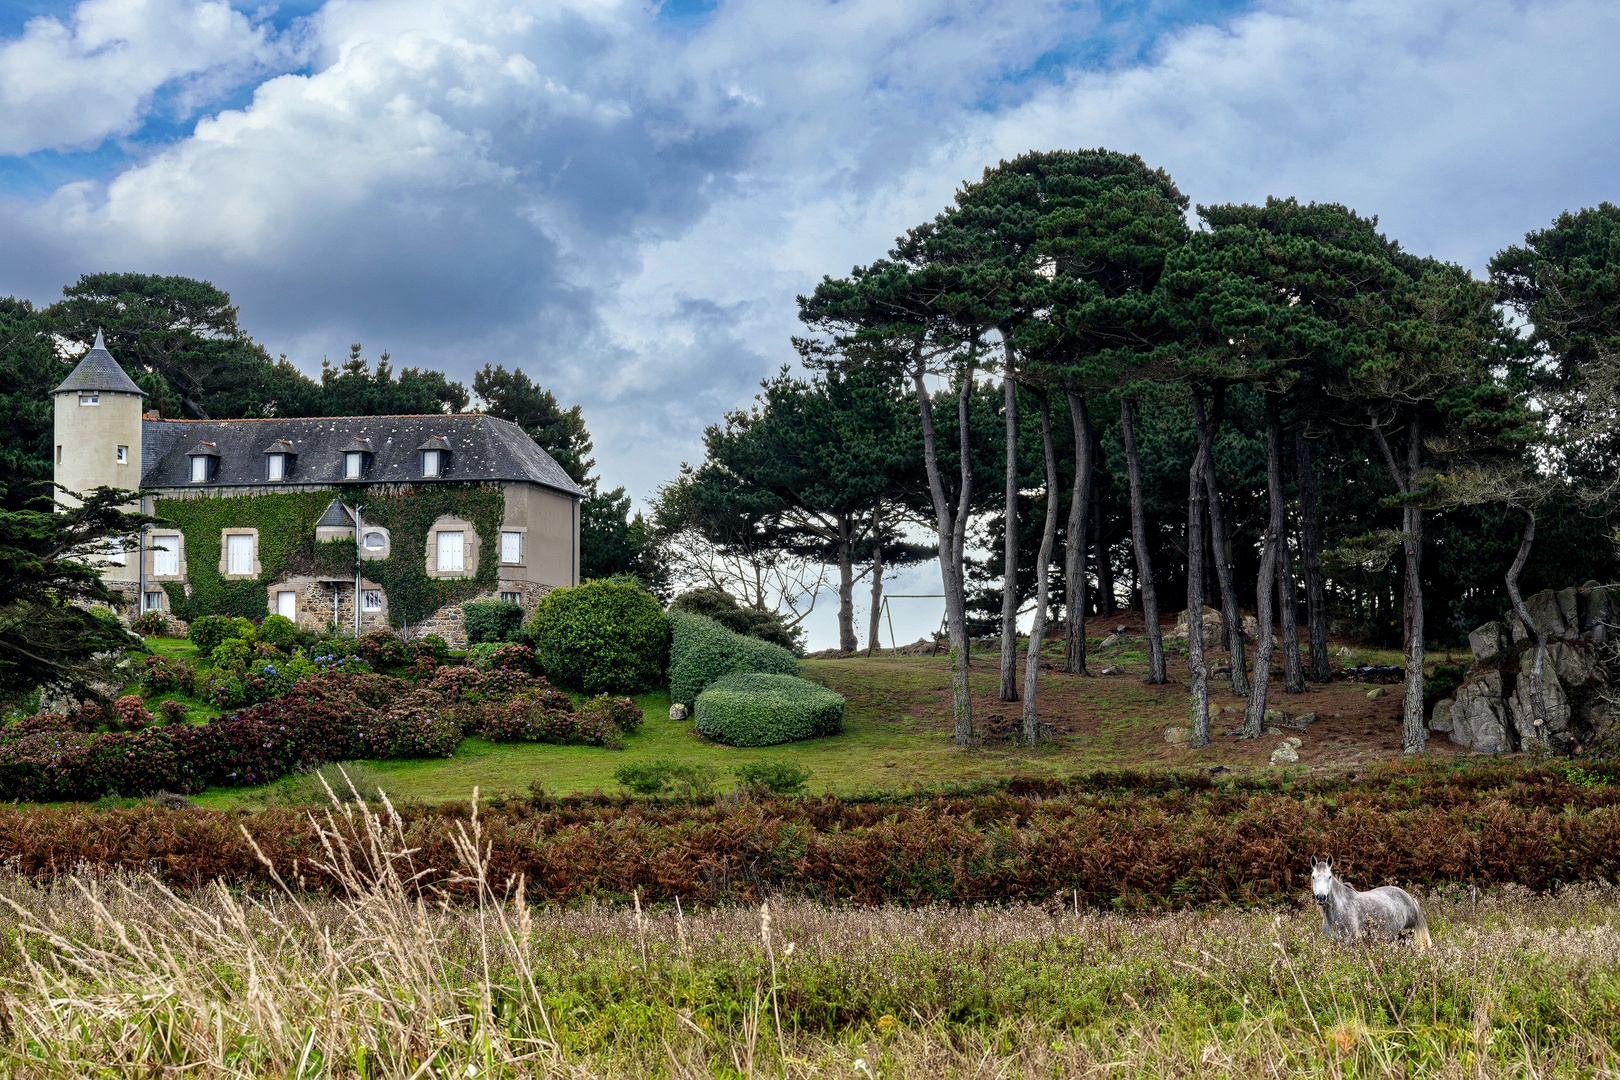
703, 651
757, 709
720, 606
603, 636
491, 620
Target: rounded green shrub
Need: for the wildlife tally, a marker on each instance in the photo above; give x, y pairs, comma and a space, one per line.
209, 631
702, 651
604, 636
277, 629
757, 709
491, 621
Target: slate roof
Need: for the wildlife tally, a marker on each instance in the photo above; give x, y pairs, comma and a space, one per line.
98, 371
481, 448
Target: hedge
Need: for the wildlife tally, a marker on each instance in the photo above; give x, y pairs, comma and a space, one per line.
750, 708
702, 651
605, 636
491, 621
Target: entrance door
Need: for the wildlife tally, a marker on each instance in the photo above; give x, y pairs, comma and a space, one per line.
287, 604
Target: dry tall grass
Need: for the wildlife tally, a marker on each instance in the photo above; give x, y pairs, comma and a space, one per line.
118, 976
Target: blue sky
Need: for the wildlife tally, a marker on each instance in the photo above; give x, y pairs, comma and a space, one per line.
624, 198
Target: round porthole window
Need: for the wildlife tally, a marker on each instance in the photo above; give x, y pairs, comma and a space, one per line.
375, 541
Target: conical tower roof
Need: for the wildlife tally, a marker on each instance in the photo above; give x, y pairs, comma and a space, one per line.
98, 371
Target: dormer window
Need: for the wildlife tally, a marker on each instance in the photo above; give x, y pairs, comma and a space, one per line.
278, 458
356, 459
204, 462
435, 455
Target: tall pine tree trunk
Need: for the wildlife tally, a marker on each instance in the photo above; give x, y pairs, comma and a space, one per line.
1144, 561
1266, 587
1310, 547
877, 580
1009, 578
1413, 732
1196, 666
1043, 577
1231, 613
846, 586
1074, 565
1288, 602
951, 524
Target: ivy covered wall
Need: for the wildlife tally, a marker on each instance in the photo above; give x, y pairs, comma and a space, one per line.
286, 525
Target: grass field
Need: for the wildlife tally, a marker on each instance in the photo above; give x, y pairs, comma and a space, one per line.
113, 976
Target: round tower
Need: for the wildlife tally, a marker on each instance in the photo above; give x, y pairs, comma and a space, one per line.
98, 433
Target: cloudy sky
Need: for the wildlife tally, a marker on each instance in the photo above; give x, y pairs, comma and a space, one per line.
623, 198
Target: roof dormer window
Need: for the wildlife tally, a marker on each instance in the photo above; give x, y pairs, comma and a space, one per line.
435, 455
278, 457
356, 459
204, 462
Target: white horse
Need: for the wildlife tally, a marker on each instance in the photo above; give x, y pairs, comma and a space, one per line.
1382, 914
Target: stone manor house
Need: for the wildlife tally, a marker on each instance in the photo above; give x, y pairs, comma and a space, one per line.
104, 437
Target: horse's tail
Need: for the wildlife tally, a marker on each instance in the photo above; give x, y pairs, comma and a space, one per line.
1420, 933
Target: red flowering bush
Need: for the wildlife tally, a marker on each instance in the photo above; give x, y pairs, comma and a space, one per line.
160, 675
381, 648
130, 712
417, 726
172, 711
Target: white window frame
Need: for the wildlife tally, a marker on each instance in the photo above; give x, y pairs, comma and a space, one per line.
239, 554
377, 535
122, 455
513, 555
277, 469
511, 598
199, 465
451, 558
89, 399
432, 462
354, 464
371, 600
287, 598
153, 601
166, 556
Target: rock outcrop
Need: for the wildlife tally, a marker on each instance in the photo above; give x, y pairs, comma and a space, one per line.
1492, 711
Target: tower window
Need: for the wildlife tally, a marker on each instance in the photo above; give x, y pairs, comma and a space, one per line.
123, 455
511, 547
89, 399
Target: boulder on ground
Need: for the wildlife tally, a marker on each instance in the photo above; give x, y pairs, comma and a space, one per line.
1212, 625
1487, 642
1577, 665
1479, 718
1522, 710
1440, 718
1176, 735
1108, 642
1284, 755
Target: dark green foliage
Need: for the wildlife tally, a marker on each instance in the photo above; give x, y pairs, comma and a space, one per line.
29, 369
719, 605
1565, 282
48, 630
776, 776
702, 651
354, 388
614, 541
655, 777
278, 630
208, 631
492, 621
755, 709
560, 432
603, 636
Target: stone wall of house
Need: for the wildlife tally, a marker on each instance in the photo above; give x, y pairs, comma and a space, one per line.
449, 622
1492, 711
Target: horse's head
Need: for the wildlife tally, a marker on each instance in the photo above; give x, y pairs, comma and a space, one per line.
1322, 879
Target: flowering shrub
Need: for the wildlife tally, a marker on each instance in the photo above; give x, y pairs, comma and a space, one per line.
459, 684
151, 624
130, 712
621, 712
172, 711
161, 675
40, 724
210, 630
92, 716
552, 717
381, 648
343, 663
274, 676
411, 729
502, 683
423, 664
525, 721
227, 691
